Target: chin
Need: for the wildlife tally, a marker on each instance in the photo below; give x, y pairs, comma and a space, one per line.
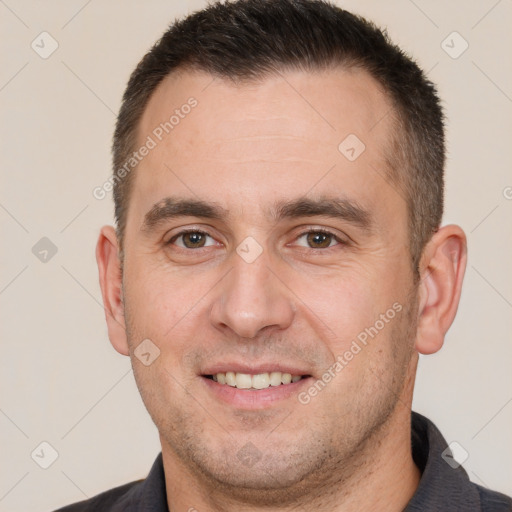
259, 485
276, 471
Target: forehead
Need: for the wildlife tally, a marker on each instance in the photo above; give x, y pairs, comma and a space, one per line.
291, 133
320, 105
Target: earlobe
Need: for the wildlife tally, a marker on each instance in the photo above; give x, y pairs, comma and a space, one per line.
442, 272
109, 268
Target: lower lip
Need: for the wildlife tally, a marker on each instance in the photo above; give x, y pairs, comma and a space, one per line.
254, 398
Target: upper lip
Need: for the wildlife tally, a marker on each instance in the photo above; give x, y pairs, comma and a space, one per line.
255, 369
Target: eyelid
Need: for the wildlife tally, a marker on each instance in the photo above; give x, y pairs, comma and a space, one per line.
189, 230
341, 240
186, 231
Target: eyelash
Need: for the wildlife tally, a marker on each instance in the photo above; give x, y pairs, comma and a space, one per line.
185, 232
300, 235
325, 232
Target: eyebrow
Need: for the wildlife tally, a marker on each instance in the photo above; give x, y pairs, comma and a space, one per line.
171, 208
337, 208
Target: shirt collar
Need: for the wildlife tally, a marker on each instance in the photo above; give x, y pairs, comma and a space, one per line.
443, 485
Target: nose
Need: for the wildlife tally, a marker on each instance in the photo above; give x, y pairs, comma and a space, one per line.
251, 298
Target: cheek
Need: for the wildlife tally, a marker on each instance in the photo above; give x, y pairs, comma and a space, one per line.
342, 304
153, 311
161, 298
163, 397
358, 317
171, 310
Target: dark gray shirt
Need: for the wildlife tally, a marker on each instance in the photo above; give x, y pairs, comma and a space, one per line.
442, 487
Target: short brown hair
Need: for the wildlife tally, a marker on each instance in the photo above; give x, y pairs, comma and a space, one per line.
250, 39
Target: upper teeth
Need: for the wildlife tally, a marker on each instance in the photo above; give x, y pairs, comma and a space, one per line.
259, 381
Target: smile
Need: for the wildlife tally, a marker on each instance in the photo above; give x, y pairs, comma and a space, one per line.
255, 382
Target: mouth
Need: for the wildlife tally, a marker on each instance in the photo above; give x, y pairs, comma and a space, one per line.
255, 382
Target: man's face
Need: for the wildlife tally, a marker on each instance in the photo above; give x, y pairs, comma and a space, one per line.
250, 291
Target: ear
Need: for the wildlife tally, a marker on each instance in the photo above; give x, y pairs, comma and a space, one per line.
442, 270
109, 267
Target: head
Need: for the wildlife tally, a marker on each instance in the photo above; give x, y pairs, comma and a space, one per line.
305, 163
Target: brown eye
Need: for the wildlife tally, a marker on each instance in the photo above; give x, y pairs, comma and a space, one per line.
191, 240
319, 239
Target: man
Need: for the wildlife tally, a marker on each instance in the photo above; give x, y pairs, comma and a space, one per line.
278, 265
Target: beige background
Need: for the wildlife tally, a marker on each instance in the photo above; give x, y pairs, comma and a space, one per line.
62, 382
